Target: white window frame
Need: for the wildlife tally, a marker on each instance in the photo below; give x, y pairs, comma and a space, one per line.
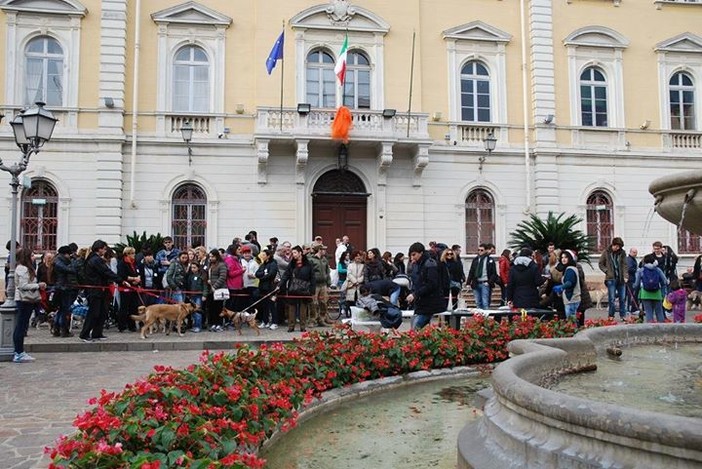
321, 68
480, 42
317, 28
593, 84
191, 67
190, 24
601, 47
475, 78
58, 19
682, 53
680, 90
356, 69
45, 58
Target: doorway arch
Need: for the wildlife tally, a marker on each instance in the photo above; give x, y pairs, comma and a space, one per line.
340, 207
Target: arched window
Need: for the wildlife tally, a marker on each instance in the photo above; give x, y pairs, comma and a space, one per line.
357, 82
480, 219
475, 93
321, 81
189, 216
191, 80
39, 218
682, 102
599, 219
44, 71
593, 98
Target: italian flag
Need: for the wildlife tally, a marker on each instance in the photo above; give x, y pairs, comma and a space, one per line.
340, 67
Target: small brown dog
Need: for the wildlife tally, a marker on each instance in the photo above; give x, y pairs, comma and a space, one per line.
694, 300
238, 318
150, 315
598, 296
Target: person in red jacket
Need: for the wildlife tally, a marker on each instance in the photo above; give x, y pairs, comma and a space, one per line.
503, 265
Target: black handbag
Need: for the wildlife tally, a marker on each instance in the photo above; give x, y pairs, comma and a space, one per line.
299, 287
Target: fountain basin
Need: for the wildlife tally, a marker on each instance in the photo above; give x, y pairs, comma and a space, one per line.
527, 425
675, 192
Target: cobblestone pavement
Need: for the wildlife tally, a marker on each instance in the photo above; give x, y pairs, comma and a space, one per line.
38, 401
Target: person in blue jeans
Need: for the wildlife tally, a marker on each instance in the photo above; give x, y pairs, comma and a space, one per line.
482, 275
27, 296
197, 290
570, 287
613, 264
426, 295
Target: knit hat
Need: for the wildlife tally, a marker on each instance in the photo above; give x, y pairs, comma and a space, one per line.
64, 250
246, 249
572, 255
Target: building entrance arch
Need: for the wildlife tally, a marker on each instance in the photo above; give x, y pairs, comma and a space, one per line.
339, 207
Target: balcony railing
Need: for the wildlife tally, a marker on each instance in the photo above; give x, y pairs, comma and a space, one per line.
686, 140
472, 134
201, 124
366, 124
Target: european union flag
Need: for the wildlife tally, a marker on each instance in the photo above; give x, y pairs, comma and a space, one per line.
276, 53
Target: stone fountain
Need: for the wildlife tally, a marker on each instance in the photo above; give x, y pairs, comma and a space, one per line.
679, 199
527, 425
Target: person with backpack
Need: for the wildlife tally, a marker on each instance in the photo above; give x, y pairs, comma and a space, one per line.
650, 281
388, 314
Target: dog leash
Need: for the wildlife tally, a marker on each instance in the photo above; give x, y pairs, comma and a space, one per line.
259, 300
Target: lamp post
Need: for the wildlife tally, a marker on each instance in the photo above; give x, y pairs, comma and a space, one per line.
32, 128
490, 141
187, 132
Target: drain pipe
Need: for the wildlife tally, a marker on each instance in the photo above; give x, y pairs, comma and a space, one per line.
135, 102
525, 104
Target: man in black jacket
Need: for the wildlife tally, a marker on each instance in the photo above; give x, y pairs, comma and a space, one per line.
426, 293
99, 276
65, 283
482, 276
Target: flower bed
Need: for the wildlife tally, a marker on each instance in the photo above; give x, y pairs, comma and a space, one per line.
218, 413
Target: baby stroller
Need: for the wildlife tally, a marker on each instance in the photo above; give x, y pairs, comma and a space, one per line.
79, 310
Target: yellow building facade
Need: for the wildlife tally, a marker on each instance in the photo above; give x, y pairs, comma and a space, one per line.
588, 101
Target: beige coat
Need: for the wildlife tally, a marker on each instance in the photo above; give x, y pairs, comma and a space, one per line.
354, 278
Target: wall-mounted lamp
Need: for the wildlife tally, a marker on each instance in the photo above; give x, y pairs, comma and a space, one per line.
389, 113
549, 119
343, 157
436, 117
489, 141
186, 131
304, 108
109, 102
645, 125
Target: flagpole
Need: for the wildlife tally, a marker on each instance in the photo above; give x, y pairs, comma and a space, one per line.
343, 85
409, 105
282, 73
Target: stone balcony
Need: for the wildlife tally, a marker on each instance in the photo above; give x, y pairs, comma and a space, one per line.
367, 125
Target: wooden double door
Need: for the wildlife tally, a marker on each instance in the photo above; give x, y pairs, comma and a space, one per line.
336, 215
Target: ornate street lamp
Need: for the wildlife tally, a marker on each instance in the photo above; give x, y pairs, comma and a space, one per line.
490, 141
187, 132
32, 128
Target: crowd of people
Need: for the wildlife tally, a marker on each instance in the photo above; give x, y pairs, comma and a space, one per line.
291, 285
